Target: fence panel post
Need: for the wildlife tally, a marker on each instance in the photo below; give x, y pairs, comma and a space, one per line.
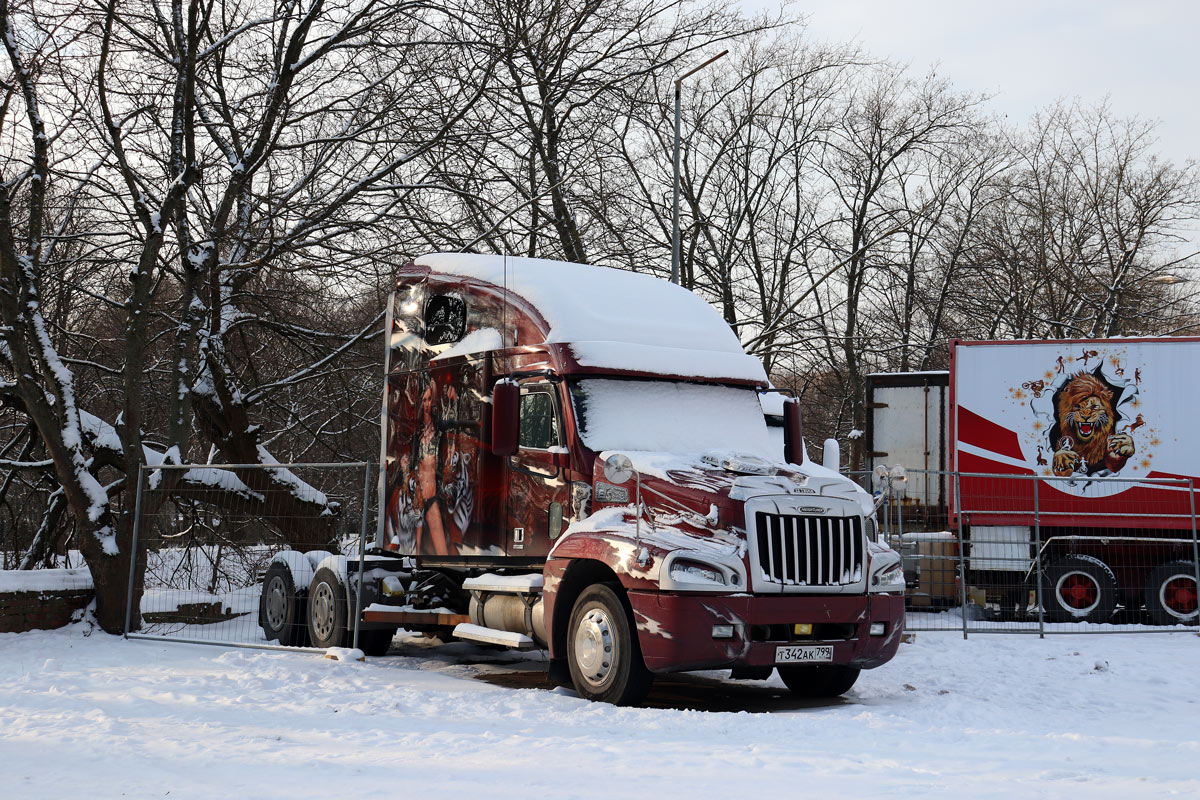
1195, 544
133, 549
962, 552
362, 544
1037, 554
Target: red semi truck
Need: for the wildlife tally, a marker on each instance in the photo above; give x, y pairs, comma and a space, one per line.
1080, 450
576, 458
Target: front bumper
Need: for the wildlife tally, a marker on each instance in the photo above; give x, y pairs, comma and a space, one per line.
676, 630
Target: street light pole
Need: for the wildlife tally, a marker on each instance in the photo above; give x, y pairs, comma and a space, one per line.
675, 176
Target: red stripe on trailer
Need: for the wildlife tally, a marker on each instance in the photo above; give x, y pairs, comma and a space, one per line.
982, 432
971, 463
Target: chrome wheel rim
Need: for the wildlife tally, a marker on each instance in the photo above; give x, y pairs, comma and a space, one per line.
275, 603
322, 610
595, 647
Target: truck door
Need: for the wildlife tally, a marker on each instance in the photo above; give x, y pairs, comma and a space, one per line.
538, 492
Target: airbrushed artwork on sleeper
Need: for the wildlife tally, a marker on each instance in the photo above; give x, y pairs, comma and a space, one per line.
430, 489
1079, 411
432, 447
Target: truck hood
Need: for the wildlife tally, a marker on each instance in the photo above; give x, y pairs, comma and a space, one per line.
729, 474
700, 503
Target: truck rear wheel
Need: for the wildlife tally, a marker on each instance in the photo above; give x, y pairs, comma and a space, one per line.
281, 608
818, 680
1171, 593
1079, 588
603, 651
327, 610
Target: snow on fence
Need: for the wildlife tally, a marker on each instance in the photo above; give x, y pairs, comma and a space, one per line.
1043, 554
211, 532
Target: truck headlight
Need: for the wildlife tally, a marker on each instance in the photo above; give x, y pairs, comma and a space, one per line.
887, 571
692, 571
686, 571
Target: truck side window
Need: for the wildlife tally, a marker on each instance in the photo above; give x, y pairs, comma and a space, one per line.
538, 427
445, 319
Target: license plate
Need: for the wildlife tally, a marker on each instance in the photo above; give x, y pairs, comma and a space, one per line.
808, 653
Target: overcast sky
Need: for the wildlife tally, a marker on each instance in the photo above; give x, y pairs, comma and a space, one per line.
1145, 56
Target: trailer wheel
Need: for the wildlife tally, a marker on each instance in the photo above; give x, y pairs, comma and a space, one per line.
603, 651
281, 608
818, 680
1079, 588
327, 610
1171, 593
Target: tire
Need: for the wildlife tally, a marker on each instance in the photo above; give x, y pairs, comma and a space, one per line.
603, 652
327, 610
376, 642
281, 608
818, 680
1171, 593
1078, 588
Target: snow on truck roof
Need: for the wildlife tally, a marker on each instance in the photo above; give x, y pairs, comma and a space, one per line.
613, 318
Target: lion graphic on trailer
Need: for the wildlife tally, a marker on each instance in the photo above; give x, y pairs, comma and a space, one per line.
1086, 424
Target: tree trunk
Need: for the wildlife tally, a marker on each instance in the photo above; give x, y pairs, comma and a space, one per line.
110, 577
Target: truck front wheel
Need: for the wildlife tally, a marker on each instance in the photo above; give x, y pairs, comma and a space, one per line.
602, 649
818, 680
1171, 593
1079, 588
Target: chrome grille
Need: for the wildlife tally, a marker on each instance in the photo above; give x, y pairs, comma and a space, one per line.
810, 551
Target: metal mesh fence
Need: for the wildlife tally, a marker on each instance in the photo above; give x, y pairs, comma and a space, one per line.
1013, 553
1045, 554
211, 533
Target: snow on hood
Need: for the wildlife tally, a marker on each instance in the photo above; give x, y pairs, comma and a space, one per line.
695, 471
663, 534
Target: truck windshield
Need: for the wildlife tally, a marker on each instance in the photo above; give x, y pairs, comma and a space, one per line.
669, 416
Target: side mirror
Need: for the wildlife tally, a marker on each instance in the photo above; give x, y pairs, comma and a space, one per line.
618, 468
793, 432
506, 420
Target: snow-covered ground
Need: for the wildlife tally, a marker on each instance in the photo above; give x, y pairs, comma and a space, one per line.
995, 716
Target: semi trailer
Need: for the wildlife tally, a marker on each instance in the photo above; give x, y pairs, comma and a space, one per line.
1070, 469
576, 459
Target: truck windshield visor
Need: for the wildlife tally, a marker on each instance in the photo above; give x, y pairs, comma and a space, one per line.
669, 417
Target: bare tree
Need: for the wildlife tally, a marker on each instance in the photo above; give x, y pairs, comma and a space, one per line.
548, 178
754, 128
216, 165
890, 126
1092, 230
202, 204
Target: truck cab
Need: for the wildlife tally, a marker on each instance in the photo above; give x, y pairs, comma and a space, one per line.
577, 458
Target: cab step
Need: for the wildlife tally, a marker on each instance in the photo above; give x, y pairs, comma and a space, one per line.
505, 584
478, 633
